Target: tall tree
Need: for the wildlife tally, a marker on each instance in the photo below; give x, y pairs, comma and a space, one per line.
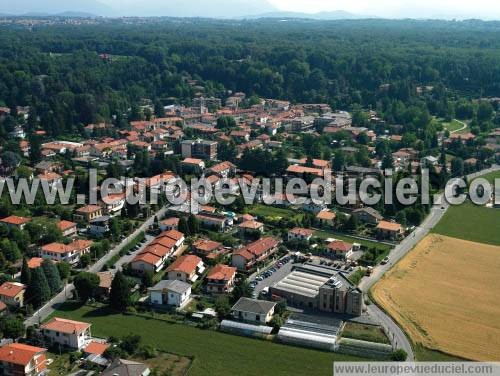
119, 297
86, 285
25, 273
52, 275
38, 291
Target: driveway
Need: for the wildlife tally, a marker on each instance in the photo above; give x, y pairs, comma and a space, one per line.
49, 307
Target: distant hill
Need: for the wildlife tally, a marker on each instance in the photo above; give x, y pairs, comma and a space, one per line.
39, 8
334, 15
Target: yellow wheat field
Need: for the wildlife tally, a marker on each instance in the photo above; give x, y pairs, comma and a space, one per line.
446, 295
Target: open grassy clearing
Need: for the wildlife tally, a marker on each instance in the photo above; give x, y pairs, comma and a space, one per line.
444, 294
471, 222
365, 332
272, 211
214, 353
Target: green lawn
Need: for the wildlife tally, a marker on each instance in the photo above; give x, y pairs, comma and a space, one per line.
272, 211
453, 125
471, 222
214, 353
370, 333
492, 176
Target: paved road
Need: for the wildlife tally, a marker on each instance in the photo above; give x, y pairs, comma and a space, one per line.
398, 338
45, 311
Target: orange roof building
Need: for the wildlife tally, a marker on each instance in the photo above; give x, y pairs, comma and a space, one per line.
257, 251
220, 279
15, 221
186, 268
68, 333
12, 294
96, 348
21, 359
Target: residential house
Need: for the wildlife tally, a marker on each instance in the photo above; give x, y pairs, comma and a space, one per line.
220, 279
253, 310
300, 234
170, 292
389, 230
100, 225
53, 179
340, 249
208, 249
214, 221
113, 204
67, 333
367, 215
258, 251
250, 227
326, 218
169, 224
87, 213
67, 228
105, 280
223, 169
35, 262
186, 268
122, 367
70, 253
12, 294
15, 221
193, 165
18, 359
176, 236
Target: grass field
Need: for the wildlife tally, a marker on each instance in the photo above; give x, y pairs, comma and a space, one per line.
214, 353
271, 211
453, 125
471, 222
370, 333
444, 294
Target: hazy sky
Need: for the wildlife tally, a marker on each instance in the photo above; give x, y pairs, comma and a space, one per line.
398, 8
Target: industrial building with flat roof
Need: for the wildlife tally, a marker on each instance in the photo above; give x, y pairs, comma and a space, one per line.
319, 288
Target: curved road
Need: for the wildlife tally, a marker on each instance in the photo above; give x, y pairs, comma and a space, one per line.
397, 336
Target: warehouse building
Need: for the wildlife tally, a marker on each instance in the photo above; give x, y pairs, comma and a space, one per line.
321, 288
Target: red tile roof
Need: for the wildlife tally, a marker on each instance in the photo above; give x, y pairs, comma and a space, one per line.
257, 248
172, 234
35, 262
186, 264
340, 246
11, 289
389, 226
15, 220
18, 353
66, 326
302, 231
65, 225
222, 272
206, 246
96, 348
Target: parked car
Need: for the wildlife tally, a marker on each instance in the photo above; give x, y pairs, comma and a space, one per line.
385, 260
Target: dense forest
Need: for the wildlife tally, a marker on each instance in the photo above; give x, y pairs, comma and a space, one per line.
377, 64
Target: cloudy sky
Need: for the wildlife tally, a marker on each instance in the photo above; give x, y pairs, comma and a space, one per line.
398, 8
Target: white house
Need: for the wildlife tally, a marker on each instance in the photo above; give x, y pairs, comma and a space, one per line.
68, 333
253, 310
170, 292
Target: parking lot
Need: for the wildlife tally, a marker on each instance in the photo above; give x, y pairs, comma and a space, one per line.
271, 275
